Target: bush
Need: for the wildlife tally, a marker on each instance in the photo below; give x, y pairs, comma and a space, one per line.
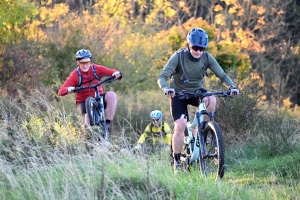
32, 129
237, 116
277, 132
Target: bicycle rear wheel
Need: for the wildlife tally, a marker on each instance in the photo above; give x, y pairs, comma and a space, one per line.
91, 106
212, 157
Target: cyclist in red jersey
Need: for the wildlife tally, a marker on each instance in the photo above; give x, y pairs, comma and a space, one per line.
86, 74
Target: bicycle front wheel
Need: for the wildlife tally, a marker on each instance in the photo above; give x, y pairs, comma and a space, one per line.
212, 159
91, 106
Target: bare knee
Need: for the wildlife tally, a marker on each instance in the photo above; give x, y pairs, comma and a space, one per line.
180, 125
210, 103
110, 97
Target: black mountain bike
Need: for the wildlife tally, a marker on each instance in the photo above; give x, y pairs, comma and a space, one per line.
95, 109
204, 144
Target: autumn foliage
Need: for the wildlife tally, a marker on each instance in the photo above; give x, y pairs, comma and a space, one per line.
137, 37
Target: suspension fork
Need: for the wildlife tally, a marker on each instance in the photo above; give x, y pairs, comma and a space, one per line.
101, 108
200, 136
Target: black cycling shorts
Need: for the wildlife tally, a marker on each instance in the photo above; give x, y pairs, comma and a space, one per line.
81, 105
179, 106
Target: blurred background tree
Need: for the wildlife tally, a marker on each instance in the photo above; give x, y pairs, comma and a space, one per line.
39, 39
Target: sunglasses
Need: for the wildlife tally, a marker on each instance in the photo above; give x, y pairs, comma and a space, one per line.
196, 48
84, 63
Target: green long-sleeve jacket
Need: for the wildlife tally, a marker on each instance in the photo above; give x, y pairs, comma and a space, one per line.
194, 69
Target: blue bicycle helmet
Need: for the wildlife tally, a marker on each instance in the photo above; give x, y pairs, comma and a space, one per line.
197, 37
157, 114
83, 53
156, 117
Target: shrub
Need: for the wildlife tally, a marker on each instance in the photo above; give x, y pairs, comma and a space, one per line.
237, 116
32, 129
277, 132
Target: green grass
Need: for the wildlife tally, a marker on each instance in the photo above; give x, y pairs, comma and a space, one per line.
116, 174
48, 155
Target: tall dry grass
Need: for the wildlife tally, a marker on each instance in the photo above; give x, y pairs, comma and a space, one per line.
45, 154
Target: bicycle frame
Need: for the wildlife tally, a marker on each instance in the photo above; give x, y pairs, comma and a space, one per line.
198, 119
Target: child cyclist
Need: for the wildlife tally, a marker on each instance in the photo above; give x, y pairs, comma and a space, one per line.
157, 131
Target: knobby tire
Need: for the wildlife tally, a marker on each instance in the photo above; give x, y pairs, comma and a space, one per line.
91, 106
213, 165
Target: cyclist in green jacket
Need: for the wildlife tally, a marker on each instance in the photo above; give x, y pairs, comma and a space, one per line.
190, 78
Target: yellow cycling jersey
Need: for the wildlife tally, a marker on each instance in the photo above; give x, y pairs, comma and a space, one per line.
155, 130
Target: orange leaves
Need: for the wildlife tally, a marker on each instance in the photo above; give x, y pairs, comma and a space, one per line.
241, 11
261, 20
232, 10
260, 10
294, 50
287, 103
240, 34
181, 4
247, 40
280, 12
60, 10
229, 2
218, 8
220, 19
235, 23
48, 15
170, 12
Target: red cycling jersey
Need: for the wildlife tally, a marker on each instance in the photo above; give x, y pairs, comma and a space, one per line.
88, 78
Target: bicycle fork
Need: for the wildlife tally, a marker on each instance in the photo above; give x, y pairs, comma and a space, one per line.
103, 120
200, 136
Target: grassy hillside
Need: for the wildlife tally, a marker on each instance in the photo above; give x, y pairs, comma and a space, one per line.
46, 154
116, 174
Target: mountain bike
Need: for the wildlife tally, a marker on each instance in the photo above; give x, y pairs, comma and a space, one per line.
204, 145
95, 109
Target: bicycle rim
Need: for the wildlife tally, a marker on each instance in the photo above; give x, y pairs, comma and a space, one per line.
214, 150
91, 106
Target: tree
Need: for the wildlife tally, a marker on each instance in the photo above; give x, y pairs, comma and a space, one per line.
14, 16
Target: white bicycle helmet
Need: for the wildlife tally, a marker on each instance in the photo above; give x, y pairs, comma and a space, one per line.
156, 117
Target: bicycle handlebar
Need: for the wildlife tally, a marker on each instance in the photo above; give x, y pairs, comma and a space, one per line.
108, 79
186, 95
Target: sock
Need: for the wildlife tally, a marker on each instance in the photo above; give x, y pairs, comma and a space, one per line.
177, 156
